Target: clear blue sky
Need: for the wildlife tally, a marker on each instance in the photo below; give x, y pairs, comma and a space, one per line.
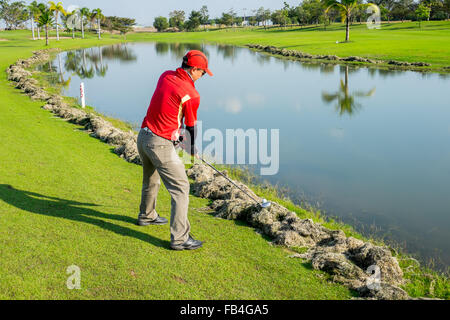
144, 11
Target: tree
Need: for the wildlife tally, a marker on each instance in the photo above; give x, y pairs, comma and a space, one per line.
33, 8
314, 11
386, 7
98, 14
291, 11
422, 12
84, 13
233, 15
194, 20
262, 15
280, 17
446, 8
252, 21
14, 14
401, 9
204, 16
176, 19
346, 8
123, 25
226, 19
57, 9
68, 15
161, 23
42, 7
45, 20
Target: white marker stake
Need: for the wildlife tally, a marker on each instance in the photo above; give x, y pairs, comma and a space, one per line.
83, 102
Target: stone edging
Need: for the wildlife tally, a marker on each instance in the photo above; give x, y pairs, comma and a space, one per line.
301, 55
346, 259
124, 142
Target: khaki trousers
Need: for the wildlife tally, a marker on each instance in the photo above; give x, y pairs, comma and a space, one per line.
160, 160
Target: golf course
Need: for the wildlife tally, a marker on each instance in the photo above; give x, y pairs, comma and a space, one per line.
66, 198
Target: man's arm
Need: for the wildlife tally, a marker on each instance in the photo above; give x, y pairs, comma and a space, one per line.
190, 143
190, 119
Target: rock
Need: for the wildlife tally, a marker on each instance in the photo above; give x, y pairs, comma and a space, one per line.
421, 64
55, 99
383, 291
337, 264
129, 152
370, 255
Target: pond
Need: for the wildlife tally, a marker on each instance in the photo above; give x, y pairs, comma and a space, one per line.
368, 146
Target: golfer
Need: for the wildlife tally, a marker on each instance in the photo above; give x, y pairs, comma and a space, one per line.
175, 99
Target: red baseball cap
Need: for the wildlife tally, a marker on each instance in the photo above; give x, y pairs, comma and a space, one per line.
196, 58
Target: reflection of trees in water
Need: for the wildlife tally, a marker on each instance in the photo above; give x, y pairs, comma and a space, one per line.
383, 73
54, 74
262, 59
121, 52
86, 63
228, 52
161, 48
346, 102
178, 50
324, 68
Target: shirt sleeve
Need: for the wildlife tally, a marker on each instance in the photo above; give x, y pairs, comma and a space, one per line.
190, 108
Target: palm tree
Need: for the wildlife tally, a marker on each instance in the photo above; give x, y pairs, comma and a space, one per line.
97, 13
346, 8
45, 20
34, 11
71, 14
345, 101
42, 7
84, 12
57, 8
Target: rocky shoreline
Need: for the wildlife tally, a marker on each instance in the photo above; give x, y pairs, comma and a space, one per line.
415, 66
370, 270
124, 142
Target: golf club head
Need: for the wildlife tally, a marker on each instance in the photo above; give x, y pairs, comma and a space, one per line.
265, 204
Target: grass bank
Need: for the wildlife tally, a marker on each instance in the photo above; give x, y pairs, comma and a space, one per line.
67, 199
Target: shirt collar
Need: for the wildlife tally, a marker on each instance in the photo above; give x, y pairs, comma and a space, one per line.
185, 75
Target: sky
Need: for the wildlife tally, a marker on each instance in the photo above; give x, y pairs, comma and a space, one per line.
145, 11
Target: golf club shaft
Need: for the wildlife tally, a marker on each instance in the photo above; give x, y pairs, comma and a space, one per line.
210, 165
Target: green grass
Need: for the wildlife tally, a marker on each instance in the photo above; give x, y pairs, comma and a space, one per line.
65, 199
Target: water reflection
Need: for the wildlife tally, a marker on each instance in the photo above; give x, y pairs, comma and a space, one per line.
346, 103
178, 50
87, 63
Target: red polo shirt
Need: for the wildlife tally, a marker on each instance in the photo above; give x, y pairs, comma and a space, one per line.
175, 98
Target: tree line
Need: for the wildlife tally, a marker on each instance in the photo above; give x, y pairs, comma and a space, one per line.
51, 15
309, 12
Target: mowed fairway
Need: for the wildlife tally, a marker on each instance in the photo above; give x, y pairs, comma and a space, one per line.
393, 41
67, 199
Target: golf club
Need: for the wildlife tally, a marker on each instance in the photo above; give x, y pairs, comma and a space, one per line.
263, 204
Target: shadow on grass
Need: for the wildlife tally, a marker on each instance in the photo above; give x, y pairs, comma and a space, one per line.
68, 209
